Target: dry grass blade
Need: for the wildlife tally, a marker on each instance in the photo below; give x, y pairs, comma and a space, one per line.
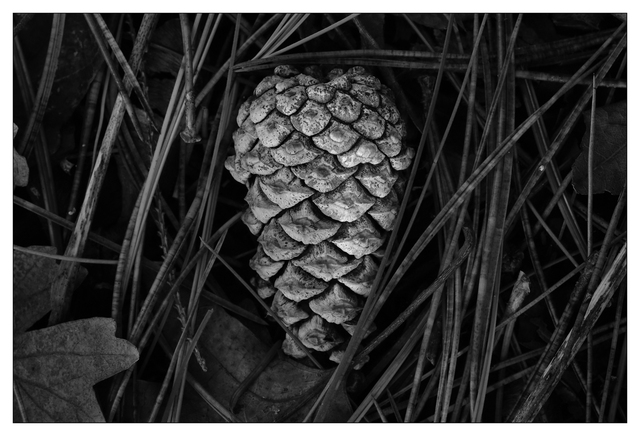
210, 400
269, 311
212, 183
539, 298
172, 366
61, 288
65, 258
167, 136
621, 69
373, 57
383, 381
24, 19
151, 319
188, 135
376, 300
315, 35
453, 56
608, 240
551, 234
462, 255
170, 258
92, 102
374, 304
571, 119
138, 219
519, 292
286, 18
620, 376
571, 310
182, 368
202, 273
129, 75
44, 88
612, 353
415, 333
354, 60
562, 47
222, 70
289, 24
493, 271
255, 373
117, 299
380, 412
198, 61
436, 298
65, 224
185, 152
472, 182
114, 74
519, 359
43, 158
590, 170
423, 138
553, 174
459, 197
455, 303
558, 78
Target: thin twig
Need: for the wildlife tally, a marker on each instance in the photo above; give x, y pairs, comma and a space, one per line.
92, 101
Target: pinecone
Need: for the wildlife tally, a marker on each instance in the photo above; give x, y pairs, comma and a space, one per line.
322, 162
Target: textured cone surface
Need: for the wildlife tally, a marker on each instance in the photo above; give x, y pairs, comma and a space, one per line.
322, 161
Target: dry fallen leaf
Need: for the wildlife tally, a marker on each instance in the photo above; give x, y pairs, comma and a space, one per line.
20, 167
609, 151
55, 368
163, 62
32, 276
284, 391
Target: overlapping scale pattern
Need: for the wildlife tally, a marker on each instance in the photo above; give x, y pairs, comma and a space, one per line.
322, 161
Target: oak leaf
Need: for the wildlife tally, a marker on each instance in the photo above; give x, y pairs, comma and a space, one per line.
609, 151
